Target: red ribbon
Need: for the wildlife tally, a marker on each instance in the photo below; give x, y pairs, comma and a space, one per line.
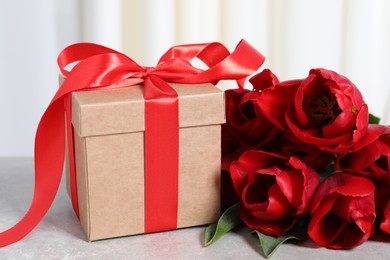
101, 67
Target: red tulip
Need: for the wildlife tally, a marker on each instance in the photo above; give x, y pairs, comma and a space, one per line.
275, 191
370, 156
245, 121
342, 211
328, 111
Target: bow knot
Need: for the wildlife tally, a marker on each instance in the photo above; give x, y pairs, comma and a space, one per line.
145, 72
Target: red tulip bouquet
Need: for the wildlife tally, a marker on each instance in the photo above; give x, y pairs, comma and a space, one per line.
303, 159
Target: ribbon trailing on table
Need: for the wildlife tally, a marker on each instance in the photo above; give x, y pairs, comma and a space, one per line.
100, 67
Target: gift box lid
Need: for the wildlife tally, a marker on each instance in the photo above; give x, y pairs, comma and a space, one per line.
121, 110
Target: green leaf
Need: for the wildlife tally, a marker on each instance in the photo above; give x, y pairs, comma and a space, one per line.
270, 244
372, 119
229, 220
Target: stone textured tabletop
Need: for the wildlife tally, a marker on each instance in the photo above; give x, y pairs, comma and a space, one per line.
59, 235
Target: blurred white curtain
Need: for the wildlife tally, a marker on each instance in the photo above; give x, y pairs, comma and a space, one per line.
348, 36
32, 33
101, 22
27, 71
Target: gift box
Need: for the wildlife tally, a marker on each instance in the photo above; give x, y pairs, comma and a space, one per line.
142, 158
109, 127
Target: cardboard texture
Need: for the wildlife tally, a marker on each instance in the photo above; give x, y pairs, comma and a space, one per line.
109, 149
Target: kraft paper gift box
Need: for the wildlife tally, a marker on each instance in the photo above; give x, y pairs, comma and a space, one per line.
109, 158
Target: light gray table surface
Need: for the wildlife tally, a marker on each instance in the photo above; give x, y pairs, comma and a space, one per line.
59, 235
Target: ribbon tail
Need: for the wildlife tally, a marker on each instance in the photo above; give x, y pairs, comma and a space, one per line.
49, 155
49, 161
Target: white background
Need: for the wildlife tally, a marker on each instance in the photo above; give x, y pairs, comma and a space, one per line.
349, 36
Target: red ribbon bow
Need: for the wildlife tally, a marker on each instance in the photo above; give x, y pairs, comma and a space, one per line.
101, 67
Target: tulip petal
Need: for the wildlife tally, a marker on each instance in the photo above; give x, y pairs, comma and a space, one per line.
239, 177
343, 124
322, 225
255, 194
249, 162
370, 156
310, 180
361, 124
373, 133
343, 211
278, 206
268, 227
346, 120
263, 80
312, 136
354, 207
350, 236
360, 160
350, 185
275, 100
291, 184
385, 225
232, 99
247, 105
264, 197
